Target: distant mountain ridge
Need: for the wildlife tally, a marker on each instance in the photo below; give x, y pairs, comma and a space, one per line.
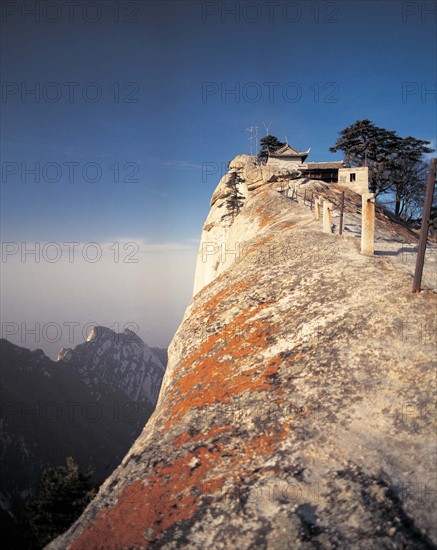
91, 404
120, 360
48, 413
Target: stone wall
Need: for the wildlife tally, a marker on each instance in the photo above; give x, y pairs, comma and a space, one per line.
355, 179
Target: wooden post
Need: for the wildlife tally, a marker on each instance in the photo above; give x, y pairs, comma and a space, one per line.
340, 229
424, 228
317, 208
304, 195
368, 224
327, 217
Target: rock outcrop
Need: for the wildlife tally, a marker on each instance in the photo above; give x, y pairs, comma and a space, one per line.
297, 410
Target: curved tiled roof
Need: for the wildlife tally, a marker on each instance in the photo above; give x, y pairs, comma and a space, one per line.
287, 151
323, 165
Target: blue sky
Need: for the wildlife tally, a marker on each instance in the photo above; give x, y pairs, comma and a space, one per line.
132, 149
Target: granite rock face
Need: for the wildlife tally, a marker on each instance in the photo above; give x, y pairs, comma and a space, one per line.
297, 409
219, 234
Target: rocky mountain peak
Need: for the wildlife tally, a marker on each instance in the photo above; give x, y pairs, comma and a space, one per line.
121, 360
100, 333
65, 354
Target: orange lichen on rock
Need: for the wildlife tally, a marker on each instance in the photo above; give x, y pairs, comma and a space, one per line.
286, 226
186, 437
147, 507
266, 217
207, 378
217, 299
171, 494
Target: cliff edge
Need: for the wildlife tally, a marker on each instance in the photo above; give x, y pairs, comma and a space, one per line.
298, 406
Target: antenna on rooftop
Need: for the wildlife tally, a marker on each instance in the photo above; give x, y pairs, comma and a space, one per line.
286, 140
267, 127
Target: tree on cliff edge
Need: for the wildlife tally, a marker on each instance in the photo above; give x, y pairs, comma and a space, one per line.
268, 144
234, 200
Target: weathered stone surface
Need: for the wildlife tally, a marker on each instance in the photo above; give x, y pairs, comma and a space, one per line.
297, 410
240, 164
218, 235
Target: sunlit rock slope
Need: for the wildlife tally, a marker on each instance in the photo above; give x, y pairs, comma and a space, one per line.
298, 407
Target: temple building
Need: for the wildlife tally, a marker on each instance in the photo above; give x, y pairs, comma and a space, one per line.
288, 158
286, 155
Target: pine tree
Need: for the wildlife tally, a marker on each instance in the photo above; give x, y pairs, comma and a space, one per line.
234, 200
364, 144
408, 176
61, 497
395, 164
268, 144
